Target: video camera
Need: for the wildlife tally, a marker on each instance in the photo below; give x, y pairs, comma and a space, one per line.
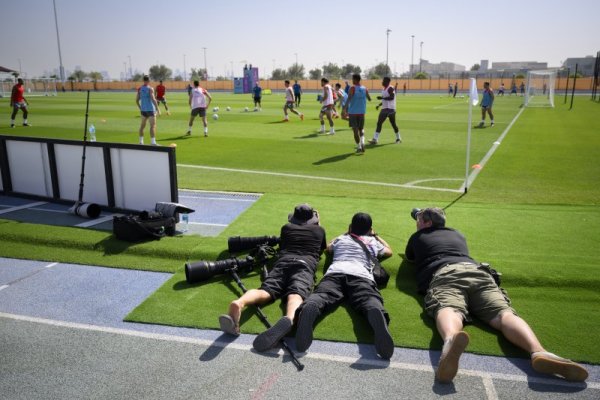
261, 252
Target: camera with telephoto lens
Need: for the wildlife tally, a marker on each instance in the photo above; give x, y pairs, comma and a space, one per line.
414, 213
204, 270
239, 244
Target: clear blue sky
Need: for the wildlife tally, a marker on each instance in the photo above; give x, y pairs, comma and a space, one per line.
102, 35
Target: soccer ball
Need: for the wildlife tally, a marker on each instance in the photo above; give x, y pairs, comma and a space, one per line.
215, 109
246, 109
215, 116
228, 108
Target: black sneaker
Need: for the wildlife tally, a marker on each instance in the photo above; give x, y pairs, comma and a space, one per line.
12, 125
26, 124
304, 331
384, 344
269, 338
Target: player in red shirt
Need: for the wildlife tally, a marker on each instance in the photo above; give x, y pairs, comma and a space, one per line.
18, 101
160, 95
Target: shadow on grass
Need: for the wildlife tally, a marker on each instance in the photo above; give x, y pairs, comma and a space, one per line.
111, 245
333, 159
179, 137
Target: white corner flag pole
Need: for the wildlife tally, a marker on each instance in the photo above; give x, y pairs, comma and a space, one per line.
473, 100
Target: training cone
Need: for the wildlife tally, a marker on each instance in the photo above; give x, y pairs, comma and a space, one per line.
476, 166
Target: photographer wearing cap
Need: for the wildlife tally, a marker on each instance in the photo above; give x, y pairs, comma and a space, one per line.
292, 277
457, 286
350, 278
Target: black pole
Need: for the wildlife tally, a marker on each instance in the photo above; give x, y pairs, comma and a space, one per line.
266, 322
567, 86
574, 82
87, 108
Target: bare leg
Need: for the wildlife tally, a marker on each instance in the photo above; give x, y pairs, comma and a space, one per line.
152, 127
449, 324
252, 296
142, 127
293, 302
517, 331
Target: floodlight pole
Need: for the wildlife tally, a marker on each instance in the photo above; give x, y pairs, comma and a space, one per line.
574, 82
130, 69
421, 57
412, 55
387, 46
61, 68
205, 67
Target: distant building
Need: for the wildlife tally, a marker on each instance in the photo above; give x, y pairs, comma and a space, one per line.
519, 65
443, 68
484, 65
585, 65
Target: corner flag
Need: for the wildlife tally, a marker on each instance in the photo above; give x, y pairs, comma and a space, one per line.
473, 100
473, 92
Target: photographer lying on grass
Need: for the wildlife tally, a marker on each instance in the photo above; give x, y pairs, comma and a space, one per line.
456, 286
292, 277
350, 278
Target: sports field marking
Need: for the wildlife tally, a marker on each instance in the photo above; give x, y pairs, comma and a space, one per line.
35, 272
17, 208
475, 172
218, 198
322, 178
96, 221
317, 356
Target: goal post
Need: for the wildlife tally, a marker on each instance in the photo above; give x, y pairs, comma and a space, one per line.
539, 91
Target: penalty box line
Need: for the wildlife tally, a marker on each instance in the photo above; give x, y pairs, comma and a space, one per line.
488, 376
322, 178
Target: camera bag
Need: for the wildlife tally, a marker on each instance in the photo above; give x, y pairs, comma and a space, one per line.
144, 226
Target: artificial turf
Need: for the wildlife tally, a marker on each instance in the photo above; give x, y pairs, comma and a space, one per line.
532, 211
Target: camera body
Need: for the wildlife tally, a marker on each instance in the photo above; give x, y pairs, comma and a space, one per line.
414, 213
239, 244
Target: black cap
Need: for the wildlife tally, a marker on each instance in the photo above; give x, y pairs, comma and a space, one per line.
303, 214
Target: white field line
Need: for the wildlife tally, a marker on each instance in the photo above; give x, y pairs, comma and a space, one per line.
206, 224
96, 221
17, 208
490, 152
218, 199
488, 384
325, 357
321, 178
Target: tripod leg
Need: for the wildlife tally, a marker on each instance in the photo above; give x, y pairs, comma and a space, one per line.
266, 322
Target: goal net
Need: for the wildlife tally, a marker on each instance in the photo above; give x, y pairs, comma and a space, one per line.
540, 88
33, 87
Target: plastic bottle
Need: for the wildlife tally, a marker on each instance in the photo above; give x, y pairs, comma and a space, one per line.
185, 220
92, 130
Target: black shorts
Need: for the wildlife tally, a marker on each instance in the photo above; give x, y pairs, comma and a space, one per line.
357, 121
257, 99
201, 111
290, 277
161, 100
147, 114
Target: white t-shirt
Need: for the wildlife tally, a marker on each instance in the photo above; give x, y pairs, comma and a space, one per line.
350, 258
198, 98
289, 94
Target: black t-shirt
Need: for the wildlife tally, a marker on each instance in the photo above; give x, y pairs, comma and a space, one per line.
306, 242
432, 248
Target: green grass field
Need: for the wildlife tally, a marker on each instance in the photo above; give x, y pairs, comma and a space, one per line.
532, 212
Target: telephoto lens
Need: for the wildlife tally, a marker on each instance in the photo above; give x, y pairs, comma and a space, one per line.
238, 244
204, 270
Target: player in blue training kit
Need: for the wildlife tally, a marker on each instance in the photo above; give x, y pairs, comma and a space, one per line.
486, 104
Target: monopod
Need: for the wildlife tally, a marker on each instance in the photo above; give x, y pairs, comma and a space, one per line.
86, 210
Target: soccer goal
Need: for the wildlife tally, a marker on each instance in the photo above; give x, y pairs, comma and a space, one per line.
40, 87
540, 88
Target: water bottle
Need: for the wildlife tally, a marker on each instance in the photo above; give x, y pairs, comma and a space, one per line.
185, 219
92, 130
